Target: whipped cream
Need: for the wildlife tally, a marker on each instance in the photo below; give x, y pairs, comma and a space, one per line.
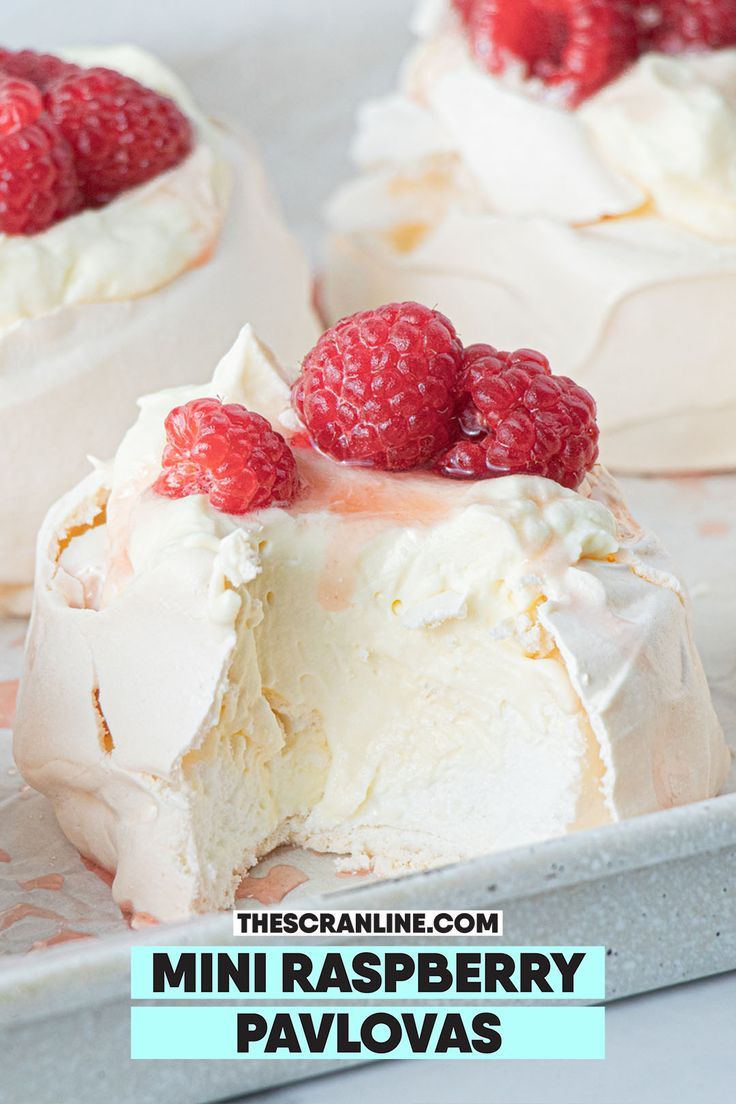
604, 235
663, 134
669, 124
137, 243
396, 667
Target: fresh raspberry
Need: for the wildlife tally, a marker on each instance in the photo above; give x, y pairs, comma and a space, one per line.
227, 453
482, 363
695, 25
121, 133
465, 460
481, 360
38, 182
40, 69
380, 387
648, 14
20, 104
577, 46
523, 419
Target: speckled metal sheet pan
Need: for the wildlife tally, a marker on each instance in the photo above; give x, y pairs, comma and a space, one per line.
659, 891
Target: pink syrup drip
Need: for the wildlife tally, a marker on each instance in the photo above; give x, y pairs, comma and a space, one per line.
271, 888
691, 483
133, 919
143, 920
66, 935
8, 699
339, 573
98, 871
45, 881
137, 920
374, 501
714, 529
22, 911
404, 499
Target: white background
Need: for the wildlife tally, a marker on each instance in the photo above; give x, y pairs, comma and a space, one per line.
293, 72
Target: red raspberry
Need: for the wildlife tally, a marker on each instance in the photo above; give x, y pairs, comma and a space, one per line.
463, 8
122, 134
380, 387
576, 45
523, 419
480, 360
20, 104
227, 453
475, 352
482, 364
38, 182
465, 460
40, 69
648, 14
695, 25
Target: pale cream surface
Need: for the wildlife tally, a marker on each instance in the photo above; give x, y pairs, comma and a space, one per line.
400, 669
605, 236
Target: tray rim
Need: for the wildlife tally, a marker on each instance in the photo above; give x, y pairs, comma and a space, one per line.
91, 973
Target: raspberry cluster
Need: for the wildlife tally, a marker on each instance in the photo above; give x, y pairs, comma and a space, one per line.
72, 138
394, 389
578, 46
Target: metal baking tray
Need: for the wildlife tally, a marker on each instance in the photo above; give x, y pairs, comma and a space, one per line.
658, 891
